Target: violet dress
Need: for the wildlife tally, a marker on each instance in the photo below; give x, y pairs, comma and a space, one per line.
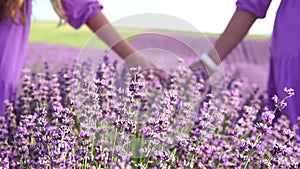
14, 41
285, 51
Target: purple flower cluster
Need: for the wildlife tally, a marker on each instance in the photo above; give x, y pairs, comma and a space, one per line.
124, 118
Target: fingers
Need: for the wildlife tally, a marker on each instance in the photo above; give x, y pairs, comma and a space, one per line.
196, 66
137, 60
163, 76
160, 74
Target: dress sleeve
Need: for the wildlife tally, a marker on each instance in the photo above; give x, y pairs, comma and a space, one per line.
257, 7
80, 11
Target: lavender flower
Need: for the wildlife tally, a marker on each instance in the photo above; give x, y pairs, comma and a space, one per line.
101, 120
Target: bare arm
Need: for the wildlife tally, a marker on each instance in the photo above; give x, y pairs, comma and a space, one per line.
100, 25
235, 31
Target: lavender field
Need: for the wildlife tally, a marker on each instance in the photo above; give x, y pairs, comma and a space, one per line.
67, 116
57, 56
249, 55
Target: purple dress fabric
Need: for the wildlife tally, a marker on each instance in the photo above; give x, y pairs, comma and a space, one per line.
14, 41
285, 51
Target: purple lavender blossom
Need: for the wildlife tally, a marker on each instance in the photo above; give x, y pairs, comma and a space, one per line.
82, 120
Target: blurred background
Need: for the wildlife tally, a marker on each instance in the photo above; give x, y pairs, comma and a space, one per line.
59, 46
208, 16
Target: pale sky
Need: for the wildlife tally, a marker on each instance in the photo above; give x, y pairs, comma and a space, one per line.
205, 15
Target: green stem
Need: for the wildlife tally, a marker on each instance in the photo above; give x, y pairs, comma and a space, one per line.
115, 138
142, 145
251, 151
148, 154
218, 165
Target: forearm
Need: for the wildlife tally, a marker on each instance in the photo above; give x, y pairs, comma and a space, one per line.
235, 31
100, 25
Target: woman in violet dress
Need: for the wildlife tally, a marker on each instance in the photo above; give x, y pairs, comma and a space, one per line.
285, 48
14, 30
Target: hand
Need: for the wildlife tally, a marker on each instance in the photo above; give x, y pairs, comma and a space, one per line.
136, 60
200, 66
197, 65
199, 69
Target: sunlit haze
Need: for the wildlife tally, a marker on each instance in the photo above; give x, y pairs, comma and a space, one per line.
206, 15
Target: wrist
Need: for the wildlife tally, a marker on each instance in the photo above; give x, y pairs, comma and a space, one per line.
209, 62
